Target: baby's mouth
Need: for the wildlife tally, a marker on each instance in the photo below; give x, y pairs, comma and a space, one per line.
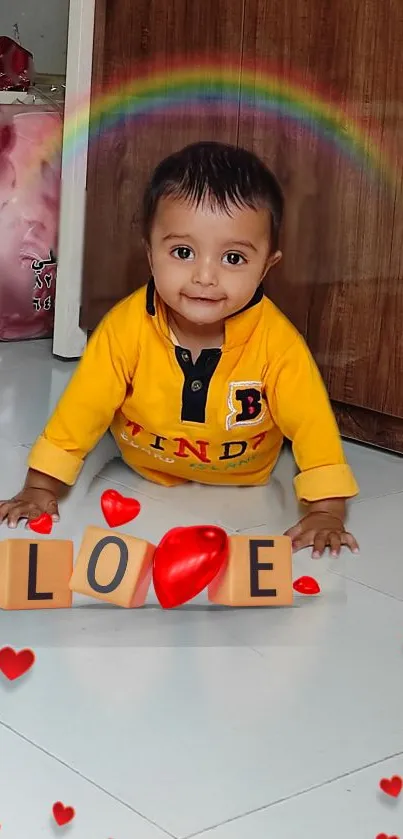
204, 299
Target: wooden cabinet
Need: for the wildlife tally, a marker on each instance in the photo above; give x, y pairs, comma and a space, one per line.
128, 35
341, 279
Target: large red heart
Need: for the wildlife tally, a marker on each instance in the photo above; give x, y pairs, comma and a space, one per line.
62, 814
117, 509
306, 585
391, 786
13, 664
186, 561
43, 524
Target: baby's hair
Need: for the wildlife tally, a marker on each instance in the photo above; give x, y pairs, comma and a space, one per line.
219, 175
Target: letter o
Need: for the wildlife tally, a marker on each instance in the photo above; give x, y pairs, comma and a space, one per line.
120, 571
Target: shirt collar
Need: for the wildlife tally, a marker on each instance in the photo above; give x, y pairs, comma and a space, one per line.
238, 327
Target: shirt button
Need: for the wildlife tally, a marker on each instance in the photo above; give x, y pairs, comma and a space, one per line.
196, 385
185, 356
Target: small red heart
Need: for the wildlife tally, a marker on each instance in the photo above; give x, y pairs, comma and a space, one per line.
386, 836
306, 585
62, 814
13, 665
391, 786
43, 524
117, 509
186, 561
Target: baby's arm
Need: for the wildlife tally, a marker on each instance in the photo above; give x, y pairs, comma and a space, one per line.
323, 526
84, 413
40, 494
302, 410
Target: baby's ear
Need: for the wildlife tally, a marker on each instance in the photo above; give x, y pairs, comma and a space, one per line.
273, 259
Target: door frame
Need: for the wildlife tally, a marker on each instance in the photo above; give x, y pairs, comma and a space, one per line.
69, 340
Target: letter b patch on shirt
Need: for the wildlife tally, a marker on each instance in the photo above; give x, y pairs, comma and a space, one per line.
246, 404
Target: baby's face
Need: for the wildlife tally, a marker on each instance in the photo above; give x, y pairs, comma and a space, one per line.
208, 264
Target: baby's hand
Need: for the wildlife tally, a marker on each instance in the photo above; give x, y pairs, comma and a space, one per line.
30, 503
321, 530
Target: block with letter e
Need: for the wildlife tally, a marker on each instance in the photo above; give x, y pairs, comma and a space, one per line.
35, 574
258, 573
113, 567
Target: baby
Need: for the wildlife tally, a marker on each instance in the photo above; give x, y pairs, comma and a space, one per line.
198, 375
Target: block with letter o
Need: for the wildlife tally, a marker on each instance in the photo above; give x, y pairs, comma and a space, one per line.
113, 567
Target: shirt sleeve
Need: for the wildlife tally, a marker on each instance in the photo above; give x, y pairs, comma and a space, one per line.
301, 409
86, 409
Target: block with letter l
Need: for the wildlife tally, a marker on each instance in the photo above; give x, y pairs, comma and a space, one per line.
35, 574
113, 567
258, 573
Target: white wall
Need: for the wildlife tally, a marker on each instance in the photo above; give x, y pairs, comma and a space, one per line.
69, 339
43, 30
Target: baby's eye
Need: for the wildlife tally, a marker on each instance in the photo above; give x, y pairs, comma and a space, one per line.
234, 258
183, 253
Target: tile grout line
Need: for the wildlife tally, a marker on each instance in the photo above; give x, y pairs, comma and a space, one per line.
141, 492
131, 489
299, 794
158, 500
366, 585
85, 778
154, 498
376, 497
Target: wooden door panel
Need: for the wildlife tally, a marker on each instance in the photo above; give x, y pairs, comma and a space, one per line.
341, 279
131, 34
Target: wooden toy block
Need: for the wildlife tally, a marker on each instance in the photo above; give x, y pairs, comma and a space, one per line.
258, 573
35, 574
113, 567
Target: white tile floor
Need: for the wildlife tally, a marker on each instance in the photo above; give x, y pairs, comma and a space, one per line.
199, 722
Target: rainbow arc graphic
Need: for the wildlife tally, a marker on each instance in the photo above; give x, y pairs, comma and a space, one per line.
263, 91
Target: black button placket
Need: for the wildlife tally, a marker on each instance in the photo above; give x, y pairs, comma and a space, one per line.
197, 378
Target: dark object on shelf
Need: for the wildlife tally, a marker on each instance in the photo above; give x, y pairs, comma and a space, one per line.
16, 66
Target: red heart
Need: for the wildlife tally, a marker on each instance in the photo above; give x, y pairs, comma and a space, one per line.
43, 524
117, 509
306, 585
386, 836
13, 665
63, 814
186, 561
391, 786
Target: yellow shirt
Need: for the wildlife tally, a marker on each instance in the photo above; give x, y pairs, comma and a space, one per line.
220, 420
